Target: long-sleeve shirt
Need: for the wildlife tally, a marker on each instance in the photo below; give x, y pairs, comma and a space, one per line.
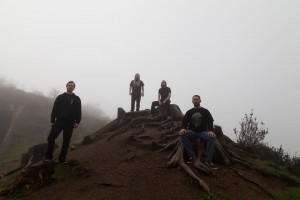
198, 120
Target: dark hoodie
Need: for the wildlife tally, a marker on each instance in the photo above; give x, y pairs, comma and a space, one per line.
67, 107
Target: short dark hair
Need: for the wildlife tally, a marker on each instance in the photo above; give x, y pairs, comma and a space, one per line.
196, 95
71, 82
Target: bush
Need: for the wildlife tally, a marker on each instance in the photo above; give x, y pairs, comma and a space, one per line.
294, 165
252, 132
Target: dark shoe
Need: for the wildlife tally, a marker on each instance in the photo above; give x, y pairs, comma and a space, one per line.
191, 160
47, 160
64, 162
210, 165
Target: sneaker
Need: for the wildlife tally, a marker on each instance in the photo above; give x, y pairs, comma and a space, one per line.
191, 160
210, 165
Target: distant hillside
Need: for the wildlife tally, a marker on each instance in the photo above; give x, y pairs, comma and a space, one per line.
25, 121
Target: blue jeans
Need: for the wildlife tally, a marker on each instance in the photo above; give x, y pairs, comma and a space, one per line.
210, 143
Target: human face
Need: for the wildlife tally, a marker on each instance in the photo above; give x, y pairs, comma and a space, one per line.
137, 77
70, 87
163, 84
196, 101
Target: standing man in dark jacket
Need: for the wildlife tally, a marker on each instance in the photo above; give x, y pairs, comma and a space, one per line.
136, 90
66, 115
198, 123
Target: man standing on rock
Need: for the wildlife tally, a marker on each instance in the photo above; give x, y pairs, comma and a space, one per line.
136, 90
198, 123
65, 116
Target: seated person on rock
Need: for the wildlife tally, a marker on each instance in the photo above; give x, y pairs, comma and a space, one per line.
164, 95
198, 123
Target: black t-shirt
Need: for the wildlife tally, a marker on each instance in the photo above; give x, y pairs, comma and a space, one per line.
198, 119
136, 87
164, 92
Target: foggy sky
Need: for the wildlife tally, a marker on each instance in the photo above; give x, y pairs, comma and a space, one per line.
237, 55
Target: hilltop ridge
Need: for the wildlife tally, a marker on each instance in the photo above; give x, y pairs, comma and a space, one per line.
124, 161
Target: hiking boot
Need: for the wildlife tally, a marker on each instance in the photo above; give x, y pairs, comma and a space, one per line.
210, 165
191, 160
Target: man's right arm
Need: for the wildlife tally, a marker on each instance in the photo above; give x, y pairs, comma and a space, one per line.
130, 88
54, 110
184, 124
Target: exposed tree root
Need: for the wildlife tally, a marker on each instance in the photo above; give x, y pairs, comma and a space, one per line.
252, 181
177, 160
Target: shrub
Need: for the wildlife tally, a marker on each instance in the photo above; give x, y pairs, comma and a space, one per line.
294, 165
252, 132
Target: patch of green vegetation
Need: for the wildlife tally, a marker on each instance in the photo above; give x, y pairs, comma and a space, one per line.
15, 152
275, 169
291, 194
61, 172
7, 181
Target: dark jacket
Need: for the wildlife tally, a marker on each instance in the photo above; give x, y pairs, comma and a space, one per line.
67, 107
198, 120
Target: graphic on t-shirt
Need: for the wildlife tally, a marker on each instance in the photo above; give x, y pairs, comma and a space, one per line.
197, 119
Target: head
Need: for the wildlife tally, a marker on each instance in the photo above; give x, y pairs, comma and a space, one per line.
137, 77
196, 100
70, 86
163, 83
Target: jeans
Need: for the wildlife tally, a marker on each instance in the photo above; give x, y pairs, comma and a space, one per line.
57, 127
210, 143
138, 100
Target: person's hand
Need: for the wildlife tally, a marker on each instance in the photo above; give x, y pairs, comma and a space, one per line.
130, 93
211, 134
182, 131
142, 94
76, 125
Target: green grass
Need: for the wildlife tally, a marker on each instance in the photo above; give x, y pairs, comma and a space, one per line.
61, 172
291, 194
7, 181
271, 168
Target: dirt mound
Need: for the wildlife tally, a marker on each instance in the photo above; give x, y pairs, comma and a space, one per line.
123, 162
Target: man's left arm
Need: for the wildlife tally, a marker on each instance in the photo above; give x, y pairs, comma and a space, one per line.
210, 125
168, 98
78, 114
142, 91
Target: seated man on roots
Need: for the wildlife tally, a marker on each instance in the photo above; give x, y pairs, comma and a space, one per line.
199, 122
164, 95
